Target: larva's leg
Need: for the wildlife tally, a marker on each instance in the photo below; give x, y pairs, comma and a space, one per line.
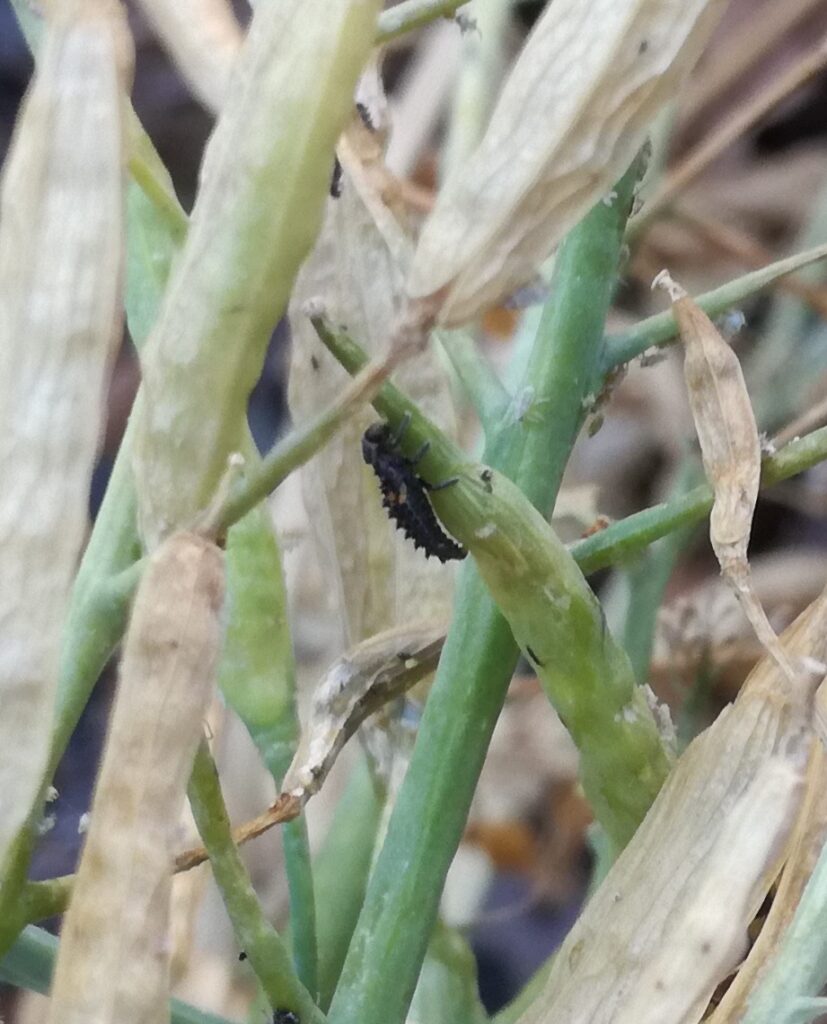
445, 483
399, 433
420, 453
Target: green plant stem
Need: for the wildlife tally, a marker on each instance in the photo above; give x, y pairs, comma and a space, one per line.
624, 539
480, 654
661, 329
340, 873
483, 388
300, 445
29, 964
446, 992
266, 952
411, 14
647, 578
42, 900
617, 542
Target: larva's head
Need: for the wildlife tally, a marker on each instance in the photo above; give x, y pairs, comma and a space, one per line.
376, 440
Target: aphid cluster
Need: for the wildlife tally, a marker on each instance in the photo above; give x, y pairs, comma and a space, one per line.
405, 494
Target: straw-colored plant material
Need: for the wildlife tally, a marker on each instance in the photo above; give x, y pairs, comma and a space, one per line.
265, 176
357, 685
61, 250
669, 922
113, 966
571, 116
357, 271
203, 38
807, 842
730, 448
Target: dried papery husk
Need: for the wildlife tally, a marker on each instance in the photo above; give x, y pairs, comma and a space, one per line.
61, 257
113, 965
363, 681
670, 920
203, 38
730, 448
572, 114
807, 842
370, 675
264, 178
357, 271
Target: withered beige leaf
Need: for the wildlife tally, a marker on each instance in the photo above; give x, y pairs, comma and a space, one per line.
203, 39
113, 965
730, 448
669, 922
369, 676
572, 114
354, 687
61, 255
807, 843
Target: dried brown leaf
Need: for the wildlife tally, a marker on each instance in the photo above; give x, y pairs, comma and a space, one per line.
807, 842
730, 448
113, 965
572, 114
61, 253
357, 685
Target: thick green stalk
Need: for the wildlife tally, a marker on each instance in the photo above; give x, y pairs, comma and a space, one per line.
266, 952
480, 654
556, 620
29, 964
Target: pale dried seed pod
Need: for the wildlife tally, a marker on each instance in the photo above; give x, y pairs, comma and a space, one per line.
730, 448
725, 424
368, 677
264, 178
572, 114
805, 846
113, 965
61, 254
203, 38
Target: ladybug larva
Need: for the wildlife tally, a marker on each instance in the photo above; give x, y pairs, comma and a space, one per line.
405, 494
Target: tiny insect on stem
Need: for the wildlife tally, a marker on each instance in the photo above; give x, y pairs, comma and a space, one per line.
404, 493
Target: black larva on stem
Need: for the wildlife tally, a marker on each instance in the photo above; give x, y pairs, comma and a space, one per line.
405, 494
